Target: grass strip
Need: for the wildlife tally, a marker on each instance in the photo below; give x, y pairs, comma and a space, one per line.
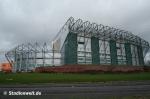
26, 78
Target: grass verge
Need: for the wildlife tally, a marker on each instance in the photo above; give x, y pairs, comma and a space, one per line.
27, 78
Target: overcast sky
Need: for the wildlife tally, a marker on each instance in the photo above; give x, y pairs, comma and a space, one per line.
24, 21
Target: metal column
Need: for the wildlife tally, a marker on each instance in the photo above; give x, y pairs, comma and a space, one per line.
140, 55
113, 52
95, 50
128, 53
70, 56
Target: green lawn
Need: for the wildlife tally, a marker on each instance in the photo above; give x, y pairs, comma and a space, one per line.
27, 78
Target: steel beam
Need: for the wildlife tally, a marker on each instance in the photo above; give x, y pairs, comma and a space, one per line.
113, 52
128, 53
70, 54
95, 50
140, 55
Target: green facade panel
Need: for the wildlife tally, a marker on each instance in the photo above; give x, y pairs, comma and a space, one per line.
95, 50
70, 54
140, 55
128, 54
113, 52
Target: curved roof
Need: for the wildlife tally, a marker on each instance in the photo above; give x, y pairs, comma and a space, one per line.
102, 32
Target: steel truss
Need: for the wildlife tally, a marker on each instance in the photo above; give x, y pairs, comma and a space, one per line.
105, 34
101, 31
28, 55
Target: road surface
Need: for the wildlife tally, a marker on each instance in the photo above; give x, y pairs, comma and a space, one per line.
69, 91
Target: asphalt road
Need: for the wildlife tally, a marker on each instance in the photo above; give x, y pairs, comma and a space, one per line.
75, 91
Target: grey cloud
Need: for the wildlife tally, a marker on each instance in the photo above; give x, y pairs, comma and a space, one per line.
40, 20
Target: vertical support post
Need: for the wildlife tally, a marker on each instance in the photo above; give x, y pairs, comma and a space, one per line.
15, 62
84, 50
24, 58
70, 56
140, 55
105, 51
35, 55
27, 62
128, 54
113, 52
53, 54
20, 61
95, 50
43, 61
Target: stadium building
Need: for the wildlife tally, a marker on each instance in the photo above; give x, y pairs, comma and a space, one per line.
82, 42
